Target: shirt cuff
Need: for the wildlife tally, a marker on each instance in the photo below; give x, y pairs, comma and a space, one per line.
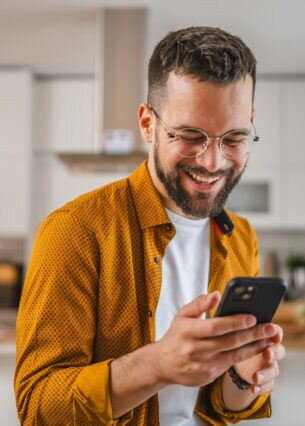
210, 406
91, 397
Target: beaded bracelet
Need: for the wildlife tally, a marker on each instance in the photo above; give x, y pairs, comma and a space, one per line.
237, 380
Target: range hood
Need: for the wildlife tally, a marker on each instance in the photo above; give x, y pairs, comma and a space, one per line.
119, 74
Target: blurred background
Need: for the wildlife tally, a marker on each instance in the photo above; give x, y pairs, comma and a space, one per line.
72, 73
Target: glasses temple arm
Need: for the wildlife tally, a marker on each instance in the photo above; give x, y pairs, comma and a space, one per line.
256, 137
153, 110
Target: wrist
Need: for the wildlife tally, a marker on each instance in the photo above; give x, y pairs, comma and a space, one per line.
133, 379
159, 371
235, 399
238, 381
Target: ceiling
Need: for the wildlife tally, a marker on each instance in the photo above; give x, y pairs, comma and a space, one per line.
57, 36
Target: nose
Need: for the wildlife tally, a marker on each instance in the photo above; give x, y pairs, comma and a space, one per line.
211, 158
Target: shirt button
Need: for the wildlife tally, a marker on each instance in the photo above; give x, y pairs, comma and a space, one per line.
157, 259
150, 314
168, 226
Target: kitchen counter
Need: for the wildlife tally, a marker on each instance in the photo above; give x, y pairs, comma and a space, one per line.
7, 331
8, 317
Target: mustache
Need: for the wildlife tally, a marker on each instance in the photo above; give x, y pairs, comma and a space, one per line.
202, 171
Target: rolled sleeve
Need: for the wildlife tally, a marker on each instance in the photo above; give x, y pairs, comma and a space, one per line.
210, 407
92, 396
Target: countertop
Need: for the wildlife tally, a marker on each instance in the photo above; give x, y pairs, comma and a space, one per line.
8, 331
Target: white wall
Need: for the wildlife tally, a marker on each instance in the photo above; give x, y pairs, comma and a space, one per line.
58, 42
58, 35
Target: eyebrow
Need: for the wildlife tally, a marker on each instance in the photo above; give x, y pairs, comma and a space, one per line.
237, 131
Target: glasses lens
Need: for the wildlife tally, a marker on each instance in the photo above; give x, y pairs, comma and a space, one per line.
190, 142
235, 145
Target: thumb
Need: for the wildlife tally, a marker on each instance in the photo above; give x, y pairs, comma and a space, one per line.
198, 306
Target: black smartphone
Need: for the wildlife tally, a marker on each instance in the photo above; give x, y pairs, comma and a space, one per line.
257, 296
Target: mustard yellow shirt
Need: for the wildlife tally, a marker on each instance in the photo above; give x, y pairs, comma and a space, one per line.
90, 296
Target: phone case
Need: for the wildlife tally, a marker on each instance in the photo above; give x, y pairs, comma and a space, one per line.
257, 296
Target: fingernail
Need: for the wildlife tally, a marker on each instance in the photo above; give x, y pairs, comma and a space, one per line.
216, 296
250, 320
257, 389
269, 330
260, 378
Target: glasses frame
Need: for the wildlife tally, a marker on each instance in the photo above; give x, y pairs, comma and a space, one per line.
174, 135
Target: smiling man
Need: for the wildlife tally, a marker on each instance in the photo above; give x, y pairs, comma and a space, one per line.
114, 325
199, 185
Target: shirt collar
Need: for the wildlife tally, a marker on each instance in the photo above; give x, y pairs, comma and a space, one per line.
148, 203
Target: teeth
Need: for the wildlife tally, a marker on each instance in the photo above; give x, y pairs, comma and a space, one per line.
204, 179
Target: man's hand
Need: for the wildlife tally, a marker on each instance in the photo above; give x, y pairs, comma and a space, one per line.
194, 352
262, 370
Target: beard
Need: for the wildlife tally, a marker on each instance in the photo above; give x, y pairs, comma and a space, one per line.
203, 204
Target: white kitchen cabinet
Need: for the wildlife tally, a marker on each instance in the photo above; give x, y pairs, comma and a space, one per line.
263, 166
292, 151
15, 151
15, 196
64, 114
15, 112
265, 154
278, 160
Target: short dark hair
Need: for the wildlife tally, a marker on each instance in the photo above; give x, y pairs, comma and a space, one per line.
207, 53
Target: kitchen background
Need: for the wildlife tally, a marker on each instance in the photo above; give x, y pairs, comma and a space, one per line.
72, 73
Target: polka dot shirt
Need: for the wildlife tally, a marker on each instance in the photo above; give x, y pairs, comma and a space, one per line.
90, 296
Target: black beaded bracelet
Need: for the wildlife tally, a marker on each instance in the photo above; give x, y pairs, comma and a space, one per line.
237, 380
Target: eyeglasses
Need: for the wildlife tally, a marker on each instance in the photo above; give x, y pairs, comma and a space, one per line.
192, 142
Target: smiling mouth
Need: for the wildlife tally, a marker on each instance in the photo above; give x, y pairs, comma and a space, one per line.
202, 179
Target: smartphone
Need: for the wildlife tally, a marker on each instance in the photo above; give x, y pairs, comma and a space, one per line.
257, 296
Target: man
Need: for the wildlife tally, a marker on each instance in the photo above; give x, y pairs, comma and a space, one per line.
111, 327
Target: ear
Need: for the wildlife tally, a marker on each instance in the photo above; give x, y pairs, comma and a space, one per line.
145, 122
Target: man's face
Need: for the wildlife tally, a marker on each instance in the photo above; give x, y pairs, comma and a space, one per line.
198, 187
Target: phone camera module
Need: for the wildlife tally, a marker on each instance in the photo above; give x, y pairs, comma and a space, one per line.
240, 290
244, 293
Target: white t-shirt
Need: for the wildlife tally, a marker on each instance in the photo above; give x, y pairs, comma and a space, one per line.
185, 272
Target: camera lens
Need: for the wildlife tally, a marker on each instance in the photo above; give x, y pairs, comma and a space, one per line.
246, 296
240, 290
